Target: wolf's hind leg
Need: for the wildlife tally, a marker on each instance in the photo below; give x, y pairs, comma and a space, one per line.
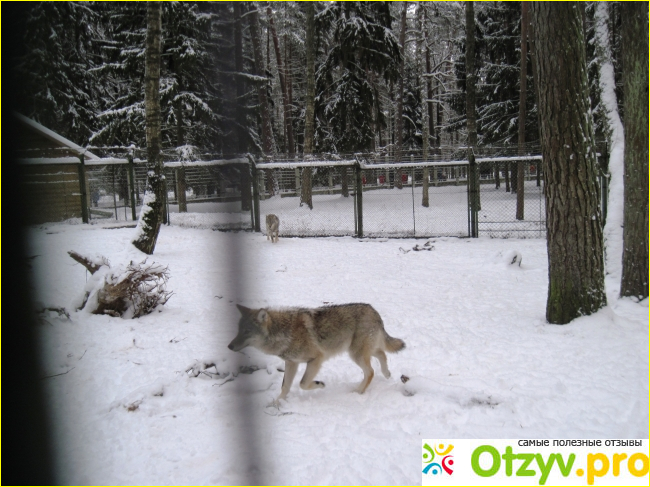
313, 366
384, 364
290, 369
363, 361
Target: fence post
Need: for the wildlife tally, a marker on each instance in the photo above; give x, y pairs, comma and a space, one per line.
113, 191
82, 189
473, 196
181, 187
256, 198
165, 203
359, 197
413, 193
132, 185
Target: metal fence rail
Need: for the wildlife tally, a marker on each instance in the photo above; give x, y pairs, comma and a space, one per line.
372, 195
352, 195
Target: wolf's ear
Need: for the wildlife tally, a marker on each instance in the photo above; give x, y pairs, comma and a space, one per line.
243, 309
261, 316
262, 319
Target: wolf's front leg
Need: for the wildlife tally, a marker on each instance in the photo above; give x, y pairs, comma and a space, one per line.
290, 369
313, 366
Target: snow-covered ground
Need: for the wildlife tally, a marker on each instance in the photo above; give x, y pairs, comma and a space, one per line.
481, 359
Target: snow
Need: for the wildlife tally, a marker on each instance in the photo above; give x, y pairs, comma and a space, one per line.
482, 361
613, 230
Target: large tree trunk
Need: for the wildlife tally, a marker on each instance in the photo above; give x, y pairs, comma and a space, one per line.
635, 99
151, 214
522, 110
424, 92
399, 122
305, 187
573, 219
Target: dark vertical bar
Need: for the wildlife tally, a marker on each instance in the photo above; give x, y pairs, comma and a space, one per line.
413, 194
28, 452
113, 190
181, 187
82, 189
165, 211
132, 185
359, 193
256, 197
604, 183
473, 196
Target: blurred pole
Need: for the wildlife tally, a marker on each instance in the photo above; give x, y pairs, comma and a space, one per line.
244, 410
27, 453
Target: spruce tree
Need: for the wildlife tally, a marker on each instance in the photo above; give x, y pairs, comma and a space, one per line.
58, 83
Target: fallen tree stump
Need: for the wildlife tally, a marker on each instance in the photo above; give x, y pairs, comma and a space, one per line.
127, 291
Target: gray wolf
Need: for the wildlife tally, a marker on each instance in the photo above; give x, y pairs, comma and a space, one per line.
313, 335
272, 228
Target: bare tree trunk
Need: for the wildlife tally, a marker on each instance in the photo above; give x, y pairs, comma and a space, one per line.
240, 115
305, 187
429, 83
424, 92
635, 99
522, 110
288, 127
289, 80
345, 191
151, 214
399, 123
472, 138
533, 53
265, 114
573, 220
470, 75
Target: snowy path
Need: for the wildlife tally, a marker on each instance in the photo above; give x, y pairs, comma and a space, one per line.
482, 361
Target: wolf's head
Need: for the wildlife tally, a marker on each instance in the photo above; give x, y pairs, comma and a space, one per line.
252, 328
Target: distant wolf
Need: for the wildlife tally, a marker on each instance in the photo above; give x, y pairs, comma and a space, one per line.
314, 335
272, 228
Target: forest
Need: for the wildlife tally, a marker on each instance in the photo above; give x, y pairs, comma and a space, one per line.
234, 75
225, 78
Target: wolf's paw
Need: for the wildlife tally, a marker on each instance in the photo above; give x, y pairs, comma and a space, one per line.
319, 384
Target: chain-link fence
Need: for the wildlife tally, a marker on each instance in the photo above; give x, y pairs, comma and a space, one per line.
328, 195
332, 193
415, 201
500, 198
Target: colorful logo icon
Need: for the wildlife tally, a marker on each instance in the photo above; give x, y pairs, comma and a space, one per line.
443, 465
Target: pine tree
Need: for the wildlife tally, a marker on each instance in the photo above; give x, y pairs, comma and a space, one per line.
361, 42
58, 83
121, 118
573, 219
190, 96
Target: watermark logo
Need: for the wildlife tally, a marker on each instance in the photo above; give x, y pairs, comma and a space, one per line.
441, 464
535, 462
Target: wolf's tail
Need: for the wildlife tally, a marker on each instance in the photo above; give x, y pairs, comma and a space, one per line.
394, 344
